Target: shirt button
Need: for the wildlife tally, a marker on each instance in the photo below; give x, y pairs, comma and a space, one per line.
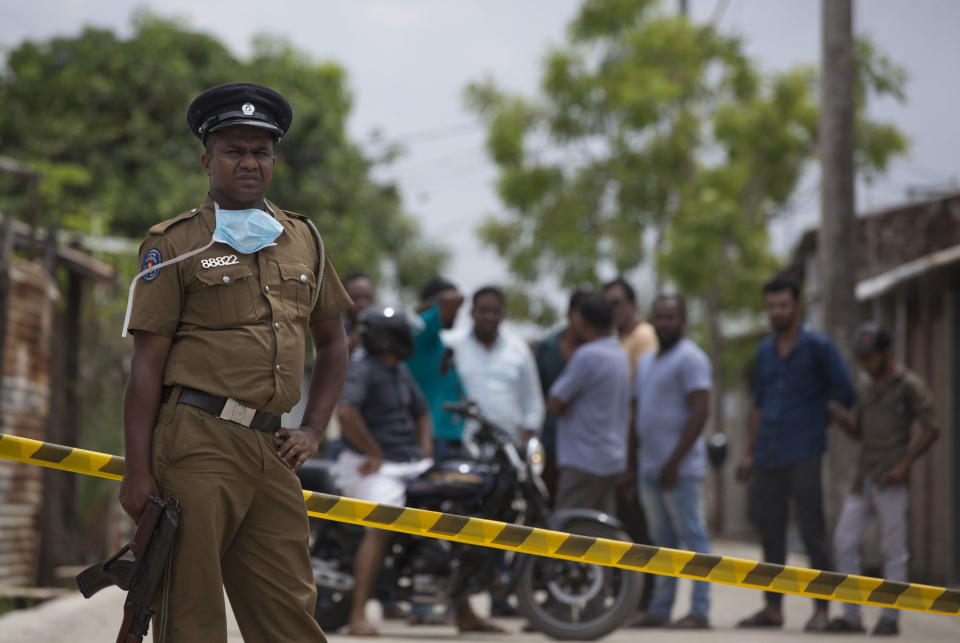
276, 325
303, 279
267, 288
225, 279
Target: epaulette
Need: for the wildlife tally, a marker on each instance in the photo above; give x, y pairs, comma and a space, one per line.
161, 227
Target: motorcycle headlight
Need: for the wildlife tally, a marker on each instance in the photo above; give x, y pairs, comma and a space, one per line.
536, 457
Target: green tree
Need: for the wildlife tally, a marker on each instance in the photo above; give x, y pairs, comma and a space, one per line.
653, 127
103, 118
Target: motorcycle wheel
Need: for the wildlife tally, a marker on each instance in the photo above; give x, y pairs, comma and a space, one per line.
577, 601
332, 610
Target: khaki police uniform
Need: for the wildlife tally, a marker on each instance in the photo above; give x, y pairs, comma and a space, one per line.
238, 324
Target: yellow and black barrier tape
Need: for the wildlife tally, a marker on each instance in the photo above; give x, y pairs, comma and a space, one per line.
554, 544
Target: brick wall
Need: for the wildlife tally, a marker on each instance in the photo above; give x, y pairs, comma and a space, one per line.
23, 412
889, 238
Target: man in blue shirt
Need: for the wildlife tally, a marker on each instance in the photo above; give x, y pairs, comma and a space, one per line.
798, 372
432, 363
551, 355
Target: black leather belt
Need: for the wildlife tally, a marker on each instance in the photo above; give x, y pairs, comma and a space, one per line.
226, 408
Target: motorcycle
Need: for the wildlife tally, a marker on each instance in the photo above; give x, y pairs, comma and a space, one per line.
563, 599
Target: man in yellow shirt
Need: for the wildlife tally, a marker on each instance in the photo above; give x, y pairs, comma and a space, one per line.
636, 336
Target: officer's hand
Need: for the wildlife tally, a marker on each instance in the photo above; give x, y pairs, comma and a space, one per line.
134, 491
297, 445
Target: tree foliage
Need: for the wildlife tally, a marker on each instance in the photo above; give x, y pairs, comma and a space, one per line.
650, 126
104, 119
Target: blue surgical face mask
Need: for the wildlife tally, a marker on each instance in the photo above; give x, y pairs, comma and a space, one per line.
246, 231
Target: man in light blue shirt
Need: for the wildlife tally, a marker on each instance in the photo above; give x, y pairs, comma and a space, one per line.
672, 394
591, 398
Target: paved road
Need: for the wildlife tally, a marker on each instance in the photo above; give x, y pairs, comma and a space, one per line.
75, 620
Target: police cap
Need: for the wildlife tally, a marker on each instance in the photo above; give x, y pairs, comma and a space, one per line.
233, 104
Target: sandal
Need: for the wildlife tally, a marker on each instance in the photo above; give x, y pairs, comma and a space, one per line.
817, 623
761, 619
364, 629
429, 619
690, 622
646, 619
843, 625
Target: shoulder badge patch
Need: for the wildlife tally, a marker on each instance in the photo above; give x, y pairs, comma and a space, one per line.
151, 259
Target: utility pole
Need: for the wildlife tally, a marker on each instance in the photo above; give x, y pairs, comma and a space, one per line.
837, 237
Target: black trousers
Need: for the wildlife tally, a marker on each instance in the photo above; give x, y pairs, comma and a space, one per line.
798, 484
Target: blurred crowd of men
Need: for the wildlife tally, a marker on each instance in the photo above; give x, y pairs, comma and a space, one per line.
620, 405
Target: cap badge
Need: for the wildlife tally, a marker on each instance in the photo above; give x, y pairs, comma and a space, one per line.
248, 109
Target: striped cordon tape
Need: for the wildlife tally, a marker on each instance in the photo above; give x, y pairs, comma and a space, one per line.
554, 544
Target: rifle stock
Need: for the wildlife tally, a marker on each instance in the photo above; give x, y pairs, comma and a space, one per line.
96, 577
141, 576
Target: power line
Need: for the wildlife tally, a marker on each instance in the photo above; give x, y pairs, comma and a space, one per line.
434, 134
442, 183
926, 173
412, 162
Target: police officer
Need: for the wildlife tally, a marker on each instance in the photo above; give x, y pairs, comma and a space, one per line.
219, 313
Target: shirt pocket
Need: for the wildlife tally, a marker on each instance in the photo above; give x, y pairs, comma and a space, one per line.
222, 298
297, 285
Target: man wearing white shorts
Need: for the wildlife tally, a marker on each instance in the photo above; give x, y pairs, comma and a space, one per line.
387, 485
387, 438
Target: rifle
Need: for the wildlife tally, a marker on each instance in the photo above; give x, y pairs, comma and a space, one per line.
141, 575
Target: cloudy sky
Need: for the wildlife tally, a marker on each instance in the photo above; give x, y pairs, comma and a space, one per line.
408, 61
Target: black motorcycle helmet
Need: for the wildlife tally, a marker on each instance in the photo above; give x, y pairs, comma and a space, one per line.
385, 329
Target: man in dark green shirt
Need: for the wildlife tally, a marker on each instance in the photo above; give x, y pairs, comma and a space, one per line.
883, 419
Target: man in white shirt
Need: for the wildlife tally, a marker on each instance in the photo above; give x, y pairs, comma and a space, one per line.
498, 369
499, 373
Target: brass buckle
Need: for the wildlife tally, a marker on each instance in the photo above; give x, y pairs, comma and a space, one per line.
236, 412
